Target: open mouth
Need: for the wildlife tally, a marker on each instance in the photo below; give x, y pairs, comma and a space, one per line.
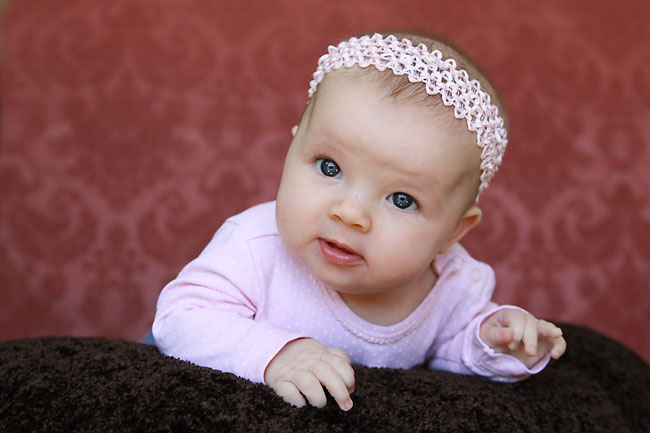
339, 254
342, 248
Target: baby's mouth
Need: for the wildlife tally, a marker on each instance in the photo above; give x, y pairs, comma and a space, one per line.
342, 248
337, 253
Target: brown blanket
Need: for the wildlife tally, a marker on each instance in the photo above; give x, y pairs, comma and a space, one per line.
97, 385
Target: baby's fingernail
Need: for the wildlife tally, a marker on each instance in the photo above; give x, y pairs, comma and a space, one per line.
347, 405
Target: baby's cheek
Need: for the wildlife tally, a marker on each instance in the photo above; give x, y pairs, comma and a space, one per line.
294, 226
284, 220
286, 225
397, 267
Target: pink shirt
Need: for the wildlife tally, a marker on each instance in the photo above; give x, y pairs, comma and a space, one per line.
237, 304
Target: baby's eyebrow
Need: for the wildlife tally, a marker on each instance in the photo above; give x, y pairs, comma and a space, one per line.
325, 135
419, 176
324, 140
414, 184
321, 141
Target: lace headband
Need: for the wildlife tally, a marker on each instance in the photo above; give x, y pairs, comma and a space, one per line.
440, 77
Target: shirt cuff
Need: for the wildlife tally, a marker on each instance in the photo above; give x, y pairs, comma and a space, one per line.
500, 366
272, 340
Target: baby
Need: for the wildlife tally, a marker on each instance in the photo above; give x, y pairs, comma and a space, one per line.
358, 260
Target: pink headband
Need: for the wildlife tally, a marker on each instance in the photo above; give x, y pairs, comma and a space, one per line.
440, 77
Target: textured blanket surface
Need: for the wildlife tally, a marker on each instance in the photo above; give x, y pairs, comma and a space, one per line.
96, 385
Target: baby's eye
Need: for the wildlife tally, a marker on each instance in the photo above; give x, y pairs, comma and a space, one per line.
328, 167
403, 201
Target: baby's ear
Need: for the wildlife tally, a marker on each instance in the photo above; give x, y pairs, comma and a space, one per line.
294, 130
470, 219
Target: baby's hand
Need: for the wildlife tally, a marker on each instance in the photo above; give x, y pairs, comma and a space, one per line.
303, 367
521, 335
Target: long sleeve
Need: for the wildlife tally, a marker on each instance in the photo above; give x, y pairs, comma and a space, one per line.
467, 353
207, 315
465, 303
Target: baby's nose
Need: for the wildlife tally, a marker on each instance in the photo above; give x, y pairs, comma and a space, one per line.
351, 213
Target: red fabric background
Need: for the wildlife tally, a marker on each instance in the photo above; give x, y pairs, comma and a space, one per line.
132, 129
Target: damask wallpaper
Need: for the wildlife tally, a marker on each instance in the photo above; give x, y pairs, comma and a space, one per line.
131, 129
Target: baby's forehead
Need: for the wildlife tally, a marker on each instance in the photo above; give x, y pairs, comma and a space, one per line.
428, 108
334, 112
355, 75
388, 87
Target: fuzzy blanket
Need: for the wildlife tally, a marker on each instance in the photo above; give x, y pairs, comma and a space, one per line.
101, 385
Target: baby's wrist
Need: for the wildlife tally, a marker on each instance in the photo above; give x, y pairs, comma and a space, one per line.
275, 368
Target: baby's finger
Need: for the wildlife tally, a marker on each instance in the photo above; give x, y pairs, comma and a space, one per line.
289, 392
548, 329
340, 353
329, 377
342, 367
499, 336
516, 320
559, 347
530, 336
310, 387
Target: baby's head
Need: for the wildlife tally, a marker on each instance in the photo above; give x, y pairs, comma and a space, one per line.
385, 167
420, 69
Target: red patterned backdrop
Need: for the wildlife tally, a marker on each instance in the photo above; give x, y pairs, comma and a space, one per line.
132, 129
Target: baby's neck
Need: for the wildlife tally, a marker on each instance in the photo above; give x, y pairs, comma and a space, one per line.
388, 309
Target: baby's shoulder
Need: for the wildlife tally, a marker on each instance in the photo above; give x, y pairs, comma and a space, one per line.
257, 221
240, 230
462, 265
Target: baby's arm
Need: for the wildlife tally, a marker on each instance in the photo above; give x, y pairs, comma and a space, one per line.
303, 367
209, 314
518, 333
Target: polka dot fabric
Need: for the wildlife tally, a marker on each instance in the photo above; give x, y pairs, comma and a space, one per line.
236, 305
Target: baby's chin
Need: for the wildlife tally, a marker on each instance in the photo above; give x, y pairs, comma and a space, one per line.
354, 285
341, 280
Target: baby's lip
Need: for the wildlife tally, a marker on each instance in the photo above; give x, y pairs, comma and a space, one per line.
341, 246
338, 252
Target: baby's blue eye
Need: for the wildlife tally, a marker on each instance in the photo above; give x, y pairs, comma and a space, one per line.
328, 167
403, 201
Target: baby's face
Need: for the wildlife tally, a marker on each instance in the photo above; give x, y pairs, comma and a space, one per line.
372, 189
